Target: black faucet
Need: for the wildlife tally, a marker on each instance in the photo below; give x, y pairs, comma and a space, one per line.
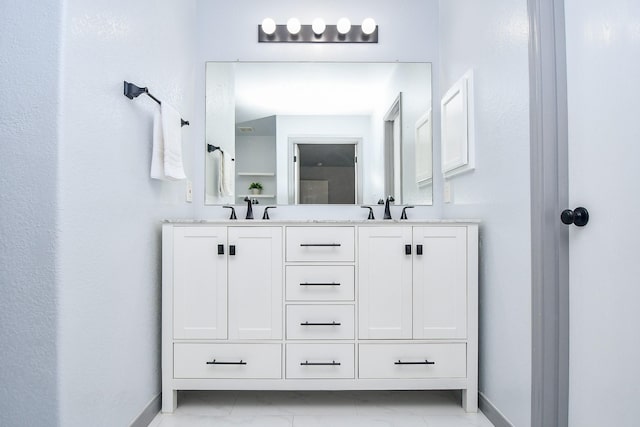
387, 211
370, 211
233, 212
265, 215
249, 207
404, 211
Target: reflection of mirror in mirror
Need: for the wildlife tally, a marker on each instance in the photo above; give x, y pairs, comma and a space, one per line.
271, 117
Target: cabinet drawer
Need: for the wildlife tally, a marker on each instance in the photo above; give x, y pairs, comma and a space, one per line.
320, 283
227, 360
321, 322
413, 361
320, 361
320, 244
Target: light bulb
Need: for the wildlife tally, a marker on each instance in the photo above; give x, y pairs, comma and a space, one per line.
344, 26
318, 26
268, 26
368, 26
293, 25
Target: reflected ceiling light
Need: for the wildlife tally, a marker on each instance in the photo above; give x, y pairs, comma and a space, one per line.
318, 26
344, 25
368, 26
293, 26
268, 26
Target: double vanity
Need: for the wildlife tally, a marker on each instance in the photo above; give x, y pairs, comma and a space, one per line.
319, 305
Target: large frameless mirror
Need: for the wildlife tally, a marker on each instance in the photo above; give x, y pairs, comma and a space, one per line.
318, 133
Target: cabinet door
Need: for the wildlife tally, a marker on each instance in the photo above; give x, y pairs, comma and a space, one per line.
384, 282
255, 283
199, 283
440, 282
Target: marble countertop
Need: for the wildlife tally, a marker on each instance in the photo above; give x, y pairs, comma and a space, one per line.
320, 221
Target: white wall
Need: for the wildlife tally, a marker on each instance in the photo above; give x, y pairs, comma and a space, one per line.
228, 32
29, 66
109, 209
492, 38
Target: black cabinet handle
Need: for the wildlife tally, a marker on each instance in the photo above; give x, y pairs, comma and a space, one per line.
320, 244
215, 362
418, 249
426, 362
320, 324
220, 249
579, 216
319, 284
332, 363
407, 249
232, 250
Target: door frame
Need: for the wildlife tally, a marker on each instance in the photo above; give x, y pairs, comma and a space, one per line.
549, 195
393, 150
293, 169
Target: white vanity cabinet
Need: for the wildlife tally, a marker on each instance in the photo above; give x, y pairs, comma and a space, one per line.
412, 282
255, 283
312, 305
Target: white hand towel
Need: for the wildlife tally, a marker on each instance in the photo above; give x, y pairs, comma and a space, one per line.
172, 133
157, 153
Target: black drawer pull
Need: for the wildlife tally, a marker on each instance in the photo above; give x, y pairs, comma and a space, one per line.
407, 249
419, 249
232, 250
320, 324
215, 362
220, 249
320, 244
332, 363
319, 284
426, 362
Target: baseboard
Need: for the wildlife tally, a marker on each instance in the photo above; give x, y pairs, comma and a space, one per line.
492, 413
148, 413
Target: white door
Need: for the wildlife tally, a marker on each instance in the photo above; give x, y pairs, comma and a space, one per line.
603, 70
384, 282
199, 283
439, 282
255, 282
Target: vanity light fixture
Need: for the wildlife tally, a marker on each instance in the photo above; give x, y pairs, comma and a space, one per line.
369, 26
268, 26
318, 26
318, 32
344, 26
293, 26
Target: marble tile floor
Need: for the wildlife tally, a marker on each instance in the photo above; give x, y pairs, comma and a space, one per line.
320, 409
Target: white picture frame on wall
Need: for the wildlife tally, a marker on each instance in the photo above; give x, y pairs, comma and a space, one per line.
424, 149
458, 142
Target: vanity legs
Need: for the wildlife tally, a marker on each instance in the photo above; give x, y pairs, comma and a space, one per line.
470, 400
169, 400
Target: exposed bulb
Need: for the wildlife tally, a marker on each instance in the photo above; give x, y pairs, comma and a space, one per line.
293, 26
344, 26
318, 26
268, 26
368, 26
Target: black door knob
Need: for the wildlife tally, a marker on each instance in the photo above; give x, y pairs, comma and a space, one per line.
578, 216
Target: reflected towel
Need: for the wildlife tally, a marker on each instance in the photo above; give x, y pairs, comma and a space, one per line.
226, 174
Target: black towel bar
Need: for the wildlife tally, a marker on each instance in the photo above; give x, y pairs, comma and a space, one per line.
132, 91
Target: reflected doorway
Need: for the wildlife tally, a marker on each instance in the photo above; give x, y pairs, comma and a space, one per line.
325, 172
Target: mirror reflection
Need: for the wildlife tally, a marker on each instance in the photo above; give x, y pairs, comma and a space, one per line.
318, 133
